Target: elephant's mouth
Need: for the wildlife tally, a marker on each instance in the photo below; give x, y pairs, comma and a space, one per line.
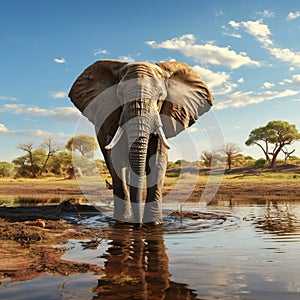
157, 129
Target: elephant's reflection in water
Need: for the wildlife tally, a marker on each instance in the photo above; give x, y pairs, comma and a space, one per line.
136, 267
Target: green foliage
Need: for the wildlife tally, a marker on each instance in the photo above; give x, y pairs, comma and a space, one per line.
173, 174
29, 164
84, 143
174, 165
59, 162
86, 166
101, 166
6, 169
211, 159
259, 163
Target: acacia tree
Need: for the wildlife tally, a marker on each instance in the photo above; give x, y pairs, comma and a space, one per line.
211, 159
231, 150
51, 148
28, 147
84, 143
272, 138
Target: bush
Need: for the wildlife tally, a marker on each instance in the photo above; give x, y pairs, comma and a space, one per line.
259, 163
172, 174
6, 169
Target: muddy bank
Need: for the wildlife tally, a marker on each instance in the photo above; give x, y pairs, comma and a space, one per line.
29, 249
47, 212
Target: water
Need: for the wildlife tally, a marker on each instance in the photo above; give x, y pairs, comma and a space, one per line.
252, 252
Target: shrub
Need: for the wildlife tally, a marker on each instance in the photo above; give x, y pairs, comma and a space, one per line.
259, 163
6, 169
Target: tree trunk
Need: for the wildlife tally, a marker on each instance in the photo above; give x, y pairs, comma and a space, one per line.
32, 165
44, 164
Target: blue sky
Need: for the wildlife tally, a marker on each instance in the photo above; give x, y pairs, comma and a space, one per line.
248, 52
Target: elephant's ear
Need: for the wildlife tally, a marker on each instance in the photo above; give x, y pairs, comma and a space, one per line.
188, 97
93, 92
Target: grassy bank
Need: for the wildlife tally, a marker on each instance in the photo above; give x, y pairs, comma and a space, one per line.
185, 178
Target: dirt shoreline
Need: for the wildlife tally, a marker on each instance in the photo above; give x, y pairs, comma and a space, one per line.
225, 191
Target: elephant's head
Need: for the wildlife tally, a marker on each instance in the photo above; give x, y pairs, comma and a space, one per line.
138, 100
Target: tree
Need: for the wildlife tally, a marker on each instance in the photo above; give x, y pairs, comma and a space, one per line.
51, 148
260, 137
272, 138
84, 143
6, 169
29, 148
211, 159
230, 150
59, 162
29, 165
287, 153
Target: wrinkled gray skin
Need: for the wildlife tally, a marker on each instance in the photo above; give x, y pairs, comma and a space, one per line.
135, 108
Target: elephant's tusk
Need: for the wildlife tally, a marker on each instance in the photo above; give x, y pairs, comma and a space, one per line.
163, 137
115, 139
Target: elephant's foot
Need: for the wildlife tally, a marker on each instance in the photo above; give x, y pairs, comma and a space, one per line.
153, 223
153, 213
122, 210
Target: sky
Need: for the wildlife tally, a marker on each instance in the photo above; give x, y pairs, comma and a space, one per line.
248, 53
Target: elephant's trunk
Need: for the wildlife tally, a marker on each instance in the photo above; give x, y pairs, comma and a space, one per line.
138, 130
137, 161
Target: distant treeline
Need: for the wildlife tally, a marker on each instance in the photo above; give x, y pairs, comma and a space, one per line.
76, 157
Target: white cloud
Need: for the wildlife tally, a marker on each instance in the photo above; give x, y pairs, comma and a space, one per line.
266, 13
100, 52
293, 15
227, 32
218, 82
59, 60
127, 58
206, 53
59, 95
259, 30
240, 99
212, 79
8, 98
59, 113
262, 33
32, 133
294, 80
234, 24
286, 55
3, 128
268, 85
241, 80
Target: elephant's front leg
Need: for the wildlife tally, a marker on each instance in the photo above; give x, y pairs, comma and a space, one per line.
157, 158
122, 207
116, 164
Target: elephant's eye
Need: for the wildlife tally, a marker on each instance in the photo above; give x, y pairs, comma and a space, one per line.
161, 95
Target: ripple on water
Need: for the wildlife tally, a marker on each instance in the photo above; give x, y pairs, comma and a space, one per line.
177, 222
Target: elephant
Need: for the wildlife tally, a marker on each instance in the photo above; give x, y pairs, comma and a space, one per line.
135, 108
